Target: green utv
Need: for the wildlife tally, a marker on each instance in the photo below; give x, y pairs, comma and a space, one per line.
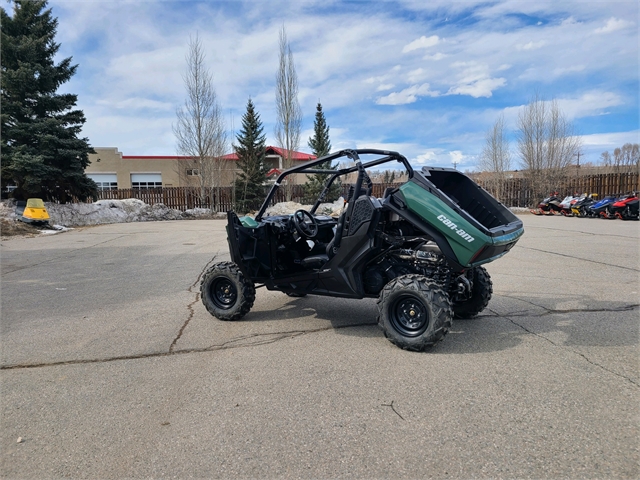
418, 249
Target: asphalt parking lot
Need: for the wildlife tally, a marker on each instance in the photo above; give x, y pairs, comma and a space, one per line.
110, 366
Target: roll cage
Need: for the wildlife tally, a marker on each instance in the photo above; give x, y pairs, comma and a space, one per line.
360, 167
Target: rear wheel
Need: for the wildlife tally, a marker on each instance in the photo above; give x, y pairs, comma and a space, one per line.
480, 295
413, 312
226, 293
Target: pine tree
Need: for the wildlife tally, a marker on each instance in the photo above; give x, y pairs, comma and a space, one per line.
251, 151
320, 146
41, 152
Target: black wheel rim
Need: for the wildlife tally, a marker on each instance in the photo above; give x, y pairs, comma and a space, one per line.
223, 293
409, 316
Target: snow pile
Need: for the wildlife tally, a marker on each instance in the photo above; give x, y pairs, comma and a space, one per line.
118, 211
108, 211
8, 209
285, 208
56, 229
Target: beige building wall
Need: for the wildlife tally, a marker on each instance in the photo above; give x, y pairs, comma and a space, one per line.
111, 161
172, 169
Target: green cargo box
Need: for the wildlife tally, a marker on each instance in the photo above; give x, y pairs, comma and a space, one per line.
470, 226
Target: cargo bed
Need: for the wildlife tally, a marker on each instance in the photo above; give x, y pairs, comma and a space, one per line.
476, 226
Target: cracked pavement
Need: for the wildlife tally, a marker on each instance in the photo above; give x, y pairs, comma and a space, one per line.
110, 366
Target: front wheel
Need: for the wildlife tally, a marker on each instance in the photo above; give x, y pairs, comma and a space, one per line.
480, 295
226, 293
413, 312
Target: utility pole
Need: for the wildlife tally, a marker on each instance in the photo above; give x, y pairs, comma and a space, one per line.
455, 165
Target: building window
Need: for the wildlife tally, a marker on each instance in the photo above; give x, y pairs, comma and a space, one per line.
107, 185
193, 172
143, 185
142, 181
104, 181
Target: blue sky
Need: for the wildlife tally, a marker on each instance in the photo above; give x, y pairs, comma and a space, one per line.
425, 78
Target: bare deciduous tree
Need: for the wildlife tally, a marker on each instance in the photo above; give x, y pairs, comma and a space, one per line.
496, 157
200, 128
547, 144
289, 120
625, 159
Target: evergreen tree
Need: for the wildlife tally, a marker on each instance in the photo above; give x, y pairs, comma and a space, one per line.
320, 146
251, 151
41, 152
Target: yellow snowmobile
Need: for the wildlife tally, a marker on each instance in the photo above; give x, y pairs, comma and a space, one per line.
32, 211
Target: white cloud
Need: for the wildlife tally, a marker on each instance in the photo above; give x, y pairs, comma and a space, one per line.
456, 157
422, 42
531, 45
137, 103
152, 72
418, 75
475, 80
611, 140
589, 104
435, 56
384, 86
569, 21
592, 103
593, 145
408, 95
564, 70
614, 24
479, 88
425, 158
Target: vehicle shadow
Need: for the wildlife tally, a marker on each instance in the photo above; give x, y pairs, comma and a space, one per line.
340, 313
506, 322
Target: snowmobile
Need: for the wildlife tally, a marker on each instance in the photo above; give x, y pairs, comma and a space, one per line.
600, 207
579, 208
548, 206
418, 250
32, 211
625, 208
568, 202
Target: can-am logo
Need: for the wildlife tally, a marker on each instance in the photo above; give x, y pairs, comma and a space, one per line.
455, 228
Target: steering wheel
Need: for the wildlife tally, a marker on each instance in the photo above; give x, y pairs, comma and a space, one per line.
305, 224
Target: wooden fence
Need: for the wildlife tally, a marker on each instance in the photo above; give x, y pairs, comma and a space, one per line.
184, 198
515, 192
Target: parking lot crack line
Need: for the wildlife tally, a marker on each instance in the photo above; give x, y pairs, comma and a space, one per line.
392, 408
580, 354
190, 306
261, 339
272, 337
578, 258
550, 311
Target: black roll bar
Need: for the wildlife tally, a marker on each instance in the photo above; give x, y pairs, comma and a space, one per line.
307, 168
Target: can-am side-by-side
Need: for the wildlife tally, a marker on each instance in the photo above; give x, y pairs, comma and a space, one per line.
418, 249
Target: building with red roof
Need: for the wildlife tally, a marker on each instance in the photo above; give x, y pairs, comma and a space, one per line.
110, 169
